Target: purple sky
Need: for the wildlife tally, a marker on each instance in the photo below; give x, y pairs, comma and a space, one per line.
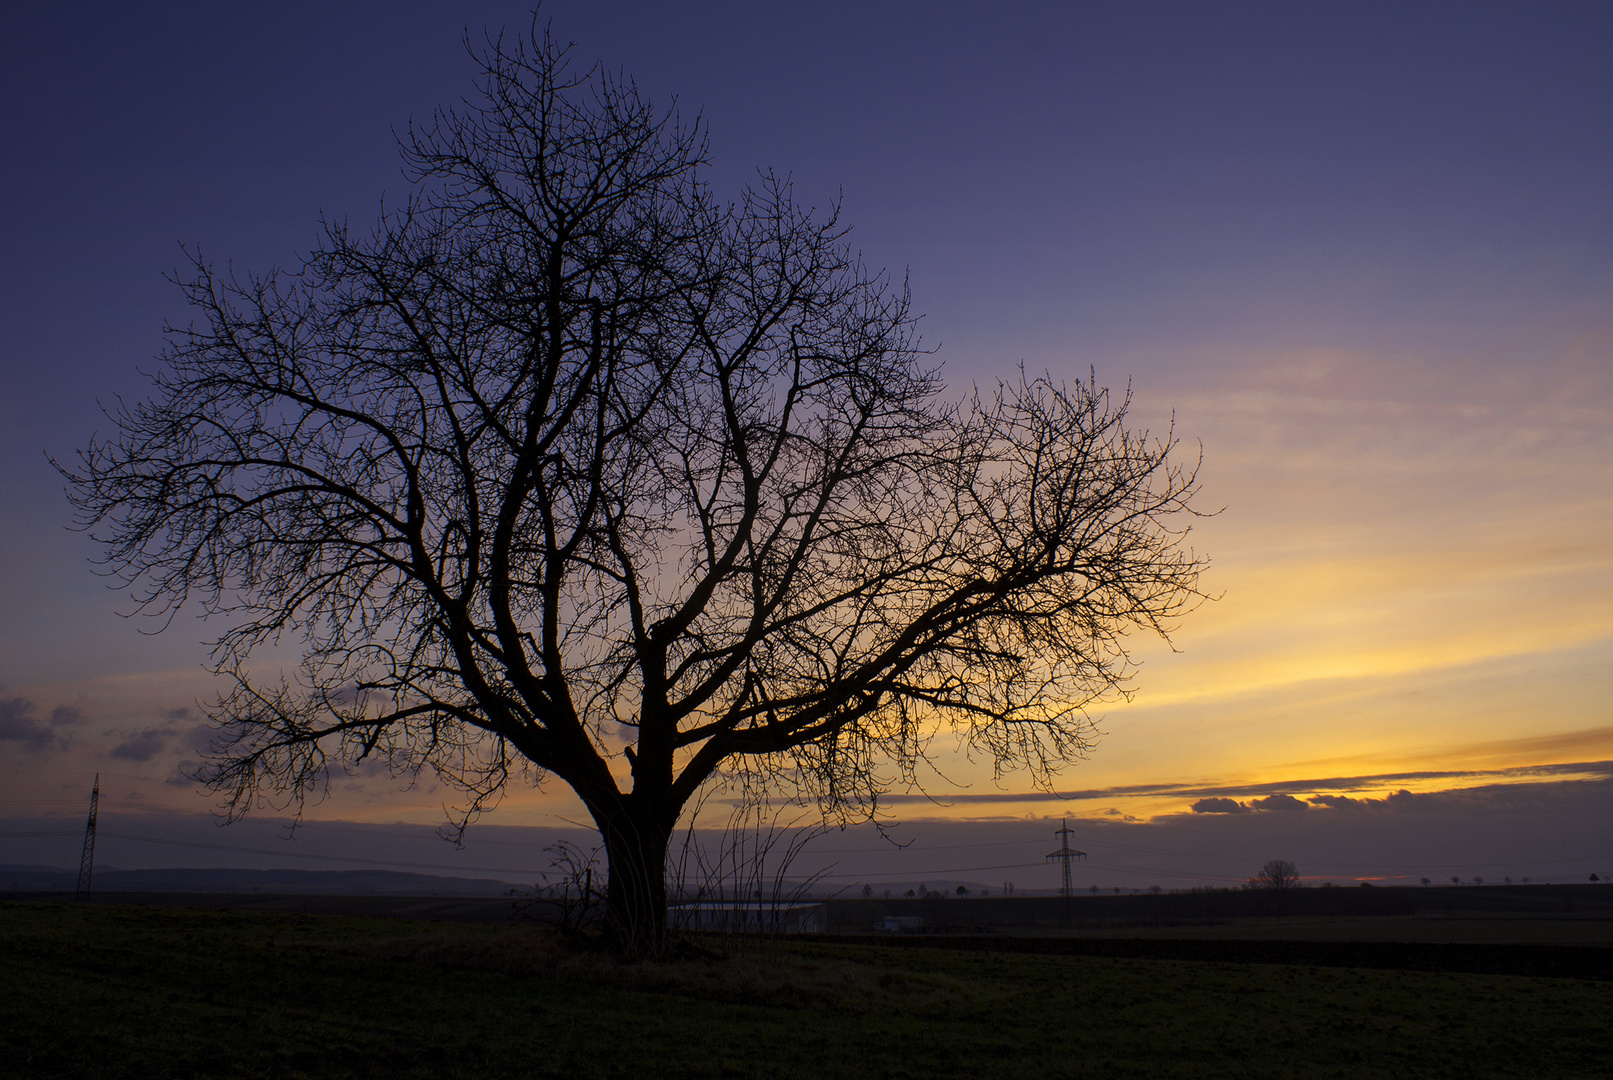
1364, 251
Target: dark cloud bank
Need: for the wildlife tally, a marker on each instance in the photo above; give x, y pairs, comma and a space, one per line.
23, 730
1546, 831
20, 725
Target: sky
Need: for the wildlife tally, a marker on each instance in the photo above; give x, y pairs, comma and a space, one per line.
1361, 254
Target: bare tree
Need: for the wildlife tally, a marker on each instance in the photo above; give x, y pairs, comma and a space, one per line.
1276, 874
568, 469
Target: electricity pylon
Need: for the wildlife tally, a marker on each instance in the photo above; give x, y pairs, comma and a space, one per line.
1066, 854
86, 862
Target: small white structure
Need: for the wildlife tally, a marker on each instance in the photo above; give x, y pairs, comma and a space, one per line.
756, 917
898, 923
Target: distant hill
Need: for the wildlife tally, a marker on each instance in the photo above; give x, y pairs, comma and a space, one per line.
22, 878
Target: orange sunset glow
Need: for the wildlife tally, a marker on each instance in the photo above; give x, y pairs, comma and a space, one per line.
1392, 342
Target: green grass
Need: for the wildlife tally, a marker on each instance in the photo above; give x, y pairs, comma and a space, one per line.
146, 992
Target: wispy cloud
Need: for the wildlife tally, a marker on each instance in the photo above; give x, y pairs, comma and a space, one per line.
1277, 794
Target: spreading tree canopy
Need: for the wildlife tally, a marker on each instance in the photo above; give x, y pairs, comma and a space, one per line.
568, 468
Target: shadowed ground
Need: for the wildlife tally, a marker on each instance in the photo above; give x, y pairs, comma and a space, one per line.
1520, 914
123, 991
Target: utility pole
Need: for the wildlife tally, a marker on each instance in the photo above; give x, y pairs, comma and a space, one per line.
86, 862
1066, 855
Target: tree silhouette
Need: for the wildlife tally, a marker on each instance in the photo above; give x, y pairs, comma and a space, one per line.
569, 469
1276, 874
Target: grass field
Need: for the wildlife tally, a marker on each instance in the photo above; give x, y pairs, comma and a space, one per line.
152, 992
1530, 930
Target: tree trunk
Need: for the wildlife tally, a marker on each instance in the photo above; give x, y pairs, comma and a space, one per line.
635, 904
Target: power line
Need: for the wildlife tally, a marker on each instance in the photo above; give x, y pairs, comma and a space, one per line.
927, 871
311, 855
36, 835
931, 872
269, 851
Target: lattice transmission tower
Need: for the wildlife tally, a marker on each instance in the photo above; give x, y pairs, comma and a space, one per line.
86, 862
1066, 855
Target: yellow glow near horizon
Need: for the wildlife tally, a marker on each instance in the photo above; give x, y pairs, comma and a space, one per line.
1417, 575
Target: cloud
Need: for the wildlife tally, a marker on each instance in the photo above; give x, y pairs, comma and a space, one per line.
1399, 800
1278, 802
179, 778
144, 745
200, 738
1307, 786
1405, 800
18, 724
149, 742
1338, 802
1219, 806
66, 716
1482, 798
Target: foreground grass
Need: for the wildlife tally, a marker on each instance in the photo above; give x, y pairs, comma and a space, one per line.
148, 992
